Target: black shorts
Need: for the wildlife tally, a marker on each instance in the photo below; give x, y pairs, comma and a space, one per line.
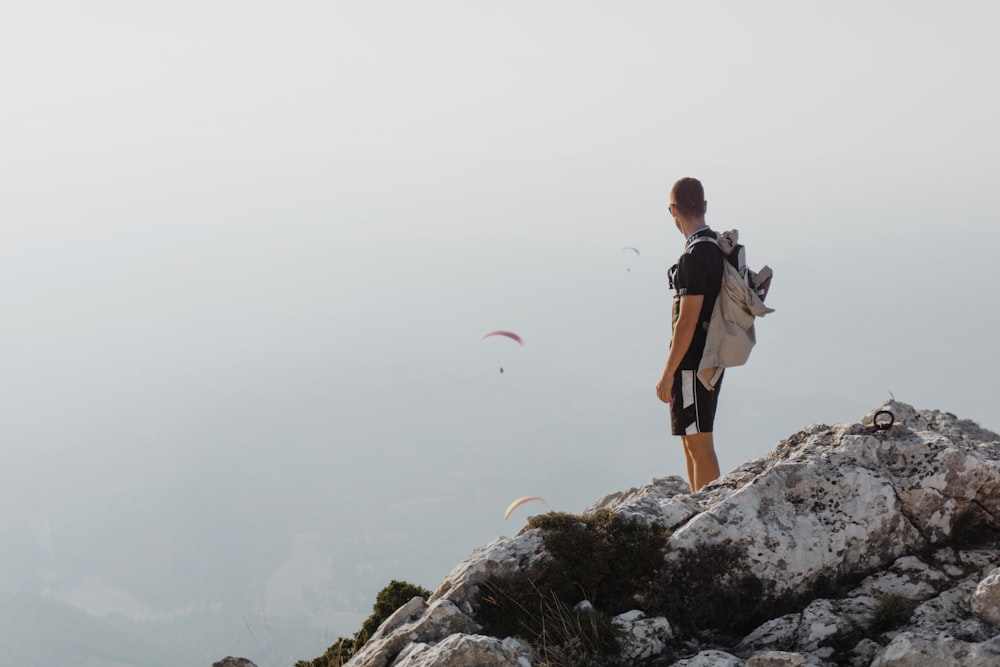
692, 406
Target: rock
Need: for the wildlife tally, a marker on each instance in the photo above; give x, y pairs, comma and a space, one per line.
776, 659
845, 545
641, 638
863, 653
778, 633
821, 621
466, 651
710, 658
907, 577
986, 599
907, 650
943, 612
503, 556
837, 500
420, 624
664, 502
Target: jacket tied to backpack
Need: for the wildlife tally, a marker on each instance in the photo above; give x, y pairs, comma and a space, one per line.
731, 336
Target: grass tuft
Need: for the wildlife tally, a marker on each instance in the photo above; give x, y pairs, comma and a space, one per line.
562, 635
892, 612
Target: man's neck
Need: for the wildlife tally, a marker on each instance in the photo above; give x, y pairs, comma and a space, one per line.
690, 227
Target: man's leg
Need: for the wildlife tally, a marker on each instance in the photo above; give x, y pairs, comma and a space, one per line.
689, 460
703, 465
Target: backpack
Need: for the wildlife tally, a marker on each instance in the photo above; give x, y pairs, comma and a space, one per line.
736, 255
731, 334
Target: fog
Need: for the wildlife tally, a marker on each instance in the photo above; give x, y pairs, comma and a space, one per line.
249, 252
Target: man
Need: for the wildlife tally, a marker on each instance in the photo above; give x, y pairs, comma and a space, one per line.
697, 279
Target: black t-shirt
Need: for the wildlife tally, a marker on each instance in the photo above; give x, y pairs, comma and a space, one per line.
698, 271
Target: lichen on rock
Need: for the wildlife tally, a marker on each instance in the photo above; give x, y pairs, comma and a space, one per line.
866, 543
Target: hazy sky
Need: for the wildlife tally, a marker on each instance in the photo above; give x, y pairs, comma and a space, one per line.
249, 249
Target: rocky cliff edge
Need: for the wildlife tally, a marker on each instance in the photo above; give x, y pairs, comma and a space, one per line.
872, 543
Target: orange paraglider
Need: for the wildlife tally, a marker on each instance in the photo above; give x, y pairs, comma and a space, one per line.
520, 501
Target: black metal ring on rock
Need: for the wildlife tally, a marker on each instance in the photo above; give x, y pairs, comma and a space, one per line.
884, 426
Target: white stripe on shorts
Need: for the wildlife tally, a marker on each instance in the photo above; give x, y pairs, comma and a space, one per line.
687, 388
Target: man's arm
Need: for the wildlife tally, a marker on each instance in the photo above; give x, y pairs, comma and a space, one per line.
687, 322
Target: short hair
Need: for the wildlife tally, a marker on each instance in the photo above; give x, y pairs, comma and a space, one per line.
689, 196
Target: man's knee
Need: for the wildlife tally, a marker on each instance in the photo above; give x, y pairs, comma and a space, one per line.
699, 443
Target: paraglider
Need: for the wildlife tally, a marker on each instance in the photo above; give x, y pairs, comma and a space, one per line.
520, 501
506, 334
630, 249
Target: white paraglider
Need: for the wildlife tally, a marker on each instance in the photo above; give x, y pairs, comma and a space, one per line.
633, 254
520, 501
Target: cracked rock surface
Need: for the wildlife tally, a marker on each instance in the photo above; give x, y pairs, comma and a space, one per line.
864, 547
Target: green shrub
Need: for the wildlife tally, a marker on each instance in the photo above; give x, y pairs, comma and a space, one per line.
335, 656
711, 590
388, 600
602, 558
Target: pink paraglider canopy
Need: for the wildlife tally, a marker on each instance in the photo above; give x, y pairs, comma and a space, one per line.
508, 334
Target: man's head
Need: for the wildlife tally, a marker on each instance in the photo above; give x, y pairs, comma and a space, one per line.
687, 199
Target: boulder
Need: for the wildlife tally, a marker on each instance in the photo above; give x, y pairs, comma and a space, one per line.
872, 543
641, 638
986, 599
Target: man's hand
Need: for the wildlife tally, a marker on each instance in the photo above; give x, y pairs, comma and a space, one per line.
683, 334
663, 388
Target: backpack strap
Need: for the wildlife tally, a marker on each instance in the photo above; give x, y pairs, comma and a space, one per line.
732, 251
702, 239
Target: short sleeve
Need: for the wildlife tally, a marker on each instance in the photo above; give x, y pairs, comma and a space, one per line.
692, 274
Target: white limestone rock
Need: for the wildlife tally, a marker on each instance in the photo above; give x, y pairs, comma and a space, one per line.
419, 623
985, 601
710, 658
838, 500
776, 634
776, 659
907, 650
949, 612
863, 653
820, 623
408, 613
501, 557
641, 638
461, 650
827, 504
908, 577
959, 564
944, 611
665, 502
801, 520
